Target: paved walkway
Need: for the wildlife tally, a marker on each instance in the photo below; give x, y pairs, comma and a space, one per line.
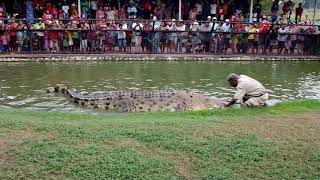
151, 57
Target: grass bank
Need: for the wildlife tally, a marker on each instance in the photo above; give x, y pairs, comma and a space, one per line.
279, 142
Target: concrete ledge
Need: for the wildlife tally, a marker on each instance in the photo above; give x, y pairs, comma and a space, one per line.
149, 57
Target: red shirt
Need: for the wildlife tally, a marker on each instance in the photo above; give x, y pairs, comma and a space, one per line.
299, 11
13, 26
53, 35
221, 11
49, 7
264, 27
147, 6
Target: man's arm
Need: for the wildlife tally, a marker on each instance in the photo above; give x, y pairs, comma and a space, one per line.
232, 102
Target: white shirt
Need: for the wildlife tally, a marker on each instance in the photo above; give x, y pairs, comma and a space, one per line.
137, 27
181, 28
213, 8
249, 87
94, 5
199, 7
281, 36
226, 28
121, 34
65, 9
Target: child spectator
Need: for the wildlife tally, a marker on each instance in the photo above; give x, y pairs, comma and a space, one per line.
122, 12
282, 37
121, 38
84, 39
5, 43
53, 39
75, 38
188, 46
252, 37
47, 17
13, 35
74, 18
100, 13
21, 36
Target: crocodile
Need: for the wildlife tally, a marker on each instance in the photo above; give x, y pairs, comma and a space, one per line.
141, 100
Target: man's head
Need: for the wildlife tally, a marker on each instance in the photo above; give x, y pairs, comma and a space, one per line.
227, 21
233, 79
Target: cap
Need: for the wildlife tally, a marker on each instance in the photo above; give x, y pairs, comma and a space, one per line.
209, 17
214, 18
232, 76
227, 20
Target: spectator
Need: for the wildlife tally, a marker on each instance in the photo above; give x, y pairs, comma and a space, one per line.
274, 10
13, 35
21, 36
299, 11
84, 8
163, 37
213, 8
172, 39
251, 38
84, 38
53, 38
181, 27
122, 12
65, 9
121, 37
137, 28
55, 12
263, 31
38, 11
193, 14
47, 17
156, 39
221, 13
199, 8
5, 42
100, 13
74, 18
282, 37
226, 29
93, 7
132, 11
257, 9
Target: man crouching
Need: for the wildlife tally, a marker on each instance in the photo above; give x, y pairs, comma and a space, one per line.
250, 92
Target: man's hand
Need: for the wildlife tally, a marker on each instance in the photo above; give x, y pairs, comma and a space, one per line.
232, 102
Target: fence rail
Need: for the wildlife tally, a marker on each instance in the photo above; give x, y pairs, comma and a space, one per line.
97, 39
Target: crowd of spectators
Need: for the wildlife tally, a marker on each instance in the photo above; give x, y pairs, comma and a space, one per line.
210, 26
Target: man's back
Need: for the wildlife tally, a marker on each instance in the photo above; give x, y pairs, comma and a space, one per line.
250, 85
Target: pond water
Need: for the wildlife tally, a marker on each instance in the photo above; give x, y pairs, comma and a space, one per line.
23, 85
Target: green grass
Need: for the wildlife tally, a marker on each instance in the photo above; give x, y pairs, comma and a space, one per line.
280, 142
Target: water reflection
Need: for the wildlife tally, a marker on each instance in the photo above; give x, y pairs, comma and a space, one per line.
22, 85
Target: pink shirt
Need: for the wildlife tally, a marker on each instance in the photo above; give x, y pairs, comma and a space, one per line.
4, 40
100, 14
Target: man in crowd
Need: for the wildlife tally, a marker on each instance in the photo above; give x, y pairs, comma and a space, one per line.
299, 11
249, 91
226, 29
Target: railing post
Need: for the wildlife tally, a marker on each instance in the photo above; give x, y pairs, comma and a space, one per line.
90, 37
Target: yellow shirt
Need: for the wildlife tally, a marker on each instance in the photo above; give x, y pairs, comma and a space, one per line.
252, 36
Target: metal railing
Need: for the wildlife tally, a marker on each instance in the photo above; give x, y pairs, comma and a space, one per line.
106, 36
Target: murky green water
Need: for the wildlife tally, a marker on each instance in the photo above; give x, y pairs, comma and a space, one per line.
23, 84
